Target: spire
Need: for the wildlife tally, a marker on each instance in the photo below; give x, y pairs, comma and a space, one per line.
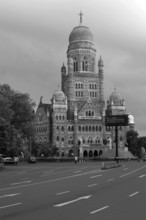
81, 15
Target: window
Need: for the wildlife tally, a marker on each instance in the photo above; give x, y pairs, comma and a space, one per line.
85, 64
57, 138
100, 128
75, 64
79, 128
62, 128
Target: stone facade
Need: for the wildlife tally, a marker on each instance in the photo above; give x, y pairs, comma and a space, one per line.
74, 120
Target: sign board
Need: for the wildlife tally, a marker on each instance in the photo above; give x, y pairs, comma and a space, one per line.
117, 120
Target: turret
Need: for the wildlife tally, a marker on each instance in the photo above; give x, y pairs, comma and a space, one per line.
100, 67
63, 70
100, 75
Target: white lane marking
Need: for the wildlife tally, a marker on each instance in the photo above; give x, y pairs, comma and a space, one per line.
142, 176
9, 195
78, 171
126, 174
98, 210
29, 181
7, 206
133, 194
95, 184
62, 193
95, 176
43, 182
110, 179
72, 201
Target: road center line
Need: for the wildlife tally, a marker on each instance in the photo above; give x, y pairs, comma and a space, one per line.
98, 210
126, 174
133, 194
62, 193
29, 181
95, 176
3, 207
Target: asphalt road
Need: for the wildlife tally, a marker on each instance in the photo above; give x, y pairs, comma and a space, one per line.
68, 191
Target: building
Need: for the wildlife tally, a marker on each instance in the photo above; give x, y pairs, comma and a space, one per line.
74, 120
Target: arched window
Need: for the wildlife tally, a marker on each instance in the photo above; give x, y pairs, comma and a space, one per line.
72, 128
83, 128
85, 64
63, 117
56, 117
92, 113
60, 117
92, 65
69, 128
89, 128
95, 86
62, 139
79, 128
57, 127
92, 128
100, 128
86, 128
96, 128
75, 64
57, 138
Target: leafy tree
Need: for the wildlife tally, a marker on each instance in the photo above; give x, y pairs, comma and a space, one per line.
16, 120
132, 141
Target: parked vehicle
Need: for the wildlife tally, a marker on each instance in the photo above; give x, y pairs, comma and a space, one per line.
32, 159
9, 160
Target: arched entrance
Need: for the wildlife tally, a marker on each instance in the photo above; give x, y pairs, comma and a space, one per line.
70, 153
95, 153
90, 153
100, 153
85, 154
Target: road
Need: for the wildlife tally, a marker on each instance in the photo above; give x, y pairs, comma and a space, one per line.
68, 191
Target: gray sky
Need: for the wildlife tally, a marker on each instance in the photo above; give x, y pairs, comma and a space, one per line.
34, 39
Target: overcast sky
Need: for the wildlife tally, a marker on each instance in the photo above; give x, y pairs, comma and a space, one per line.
34, 39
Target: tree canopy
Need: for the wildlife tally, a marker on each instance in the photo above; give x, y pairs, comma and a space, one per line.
16, 119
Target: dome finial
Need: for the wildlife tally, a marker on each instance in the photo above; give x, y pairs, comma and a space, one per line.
81, 15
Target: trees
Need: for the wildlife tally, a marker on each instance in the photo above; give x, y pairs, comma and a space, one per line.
132, 141
16, 120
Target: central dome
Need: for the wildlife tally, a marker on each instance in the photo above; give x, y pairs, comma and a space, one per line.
58, 96
81, 33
